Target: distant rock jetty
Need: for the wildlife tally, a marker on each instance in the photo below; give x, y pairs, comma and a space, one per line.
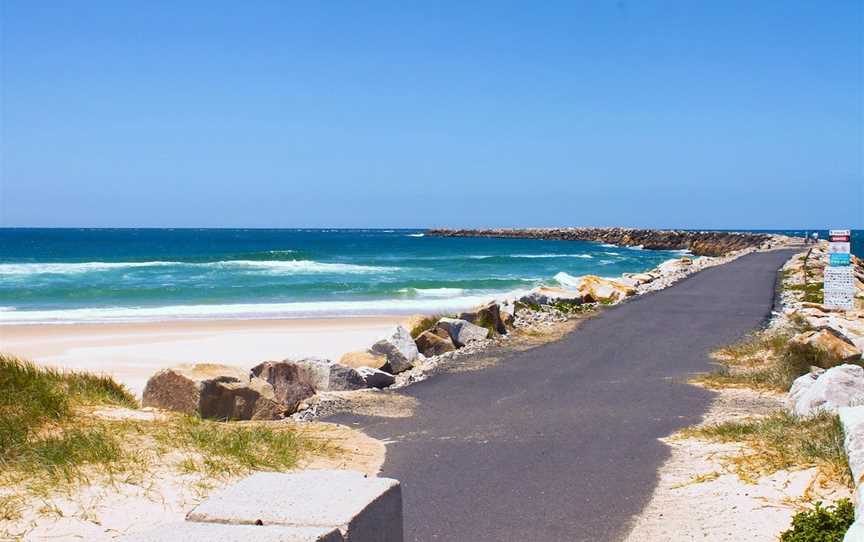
700, 243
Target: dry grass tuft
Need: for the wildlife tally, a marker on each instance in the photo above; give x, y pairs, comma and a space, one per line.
782, 441
764, 361
50, 441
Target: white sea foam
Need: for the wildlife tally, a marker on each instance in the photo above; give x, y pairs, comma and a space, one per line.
416, 235
297, 267
607, 245
612, 253
585, 256
528, 256
268, 266
73, 268
249, 311
566, 279
434, 293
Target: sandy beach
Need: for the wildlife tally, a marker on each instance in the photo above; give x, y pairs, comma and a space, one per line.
131, 353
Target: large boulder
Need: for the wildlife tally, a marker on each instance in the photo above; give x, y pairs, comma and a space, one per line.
376, 378
399, 349
213, 391
325, 375
639, 278
290, 383
829, 390
594, 289
488, 316
507, 311
434, 343
830, 343
462, 332
674, 266
546, 295
363, 359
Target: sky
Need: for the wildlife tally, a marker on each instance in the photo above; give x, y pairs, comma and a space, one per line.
681, 114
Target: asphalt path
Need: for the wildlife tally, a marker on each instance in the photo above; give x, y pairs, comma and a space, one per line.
559, 443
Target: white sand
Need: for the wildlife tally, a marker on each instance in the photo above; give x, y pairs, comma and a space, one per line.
724, 508
104, 511
133, 352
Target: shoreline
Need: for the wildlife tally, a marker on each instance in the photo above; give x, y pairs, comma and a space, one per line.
132, 352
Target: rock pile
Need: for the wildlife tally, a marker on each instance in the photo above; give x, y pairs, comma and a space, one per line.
275, 389
827, 391
213, 391
836, 337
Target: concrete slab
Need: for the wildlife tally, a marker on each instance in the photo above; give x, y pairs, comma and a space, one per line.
852, 419
855, 533
364, 509
210, 532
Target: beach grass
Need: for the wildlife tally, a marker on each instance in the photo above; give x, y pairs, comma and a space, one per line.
764, 361
52, 441
782, 441
36, 405
813, 292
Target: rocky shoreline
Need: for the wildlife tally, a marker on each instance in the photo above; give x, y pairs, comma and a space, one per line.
700, 243
307, 388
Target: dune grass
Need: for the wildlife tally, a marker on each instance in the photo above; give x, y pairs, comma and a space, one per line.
37, 408
776, 371
765, 360
783, 441
50, 441
216, 448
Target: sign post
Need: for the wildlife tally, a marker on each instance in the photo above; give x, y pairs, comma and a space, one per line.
839, 288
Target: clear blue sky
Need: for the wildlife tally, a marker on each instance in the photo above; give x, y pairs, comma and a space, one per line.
708, 114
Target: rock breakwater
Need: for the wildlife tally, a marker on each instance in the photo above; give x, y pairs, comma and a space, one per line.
700, 243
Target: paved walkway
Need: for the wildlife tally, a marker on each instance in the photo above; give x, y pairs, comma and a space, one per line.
559, 443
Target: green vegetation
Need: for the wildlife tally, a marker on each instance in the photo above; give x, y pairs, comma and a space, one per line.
783, 441
522, 305
217, 448
50, 439
777, 372
36, 406
426, 323
570, 307
821, 524
812, 291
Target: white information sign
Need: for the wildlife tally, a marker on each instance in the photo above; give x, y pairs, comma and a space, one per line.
839, 286
839, 299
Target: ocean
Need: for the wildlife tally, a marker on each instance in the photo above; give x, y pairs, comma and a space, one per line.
133, 275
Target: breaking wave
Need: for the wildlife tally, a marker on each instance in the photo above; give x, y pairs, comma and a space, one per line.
271, 266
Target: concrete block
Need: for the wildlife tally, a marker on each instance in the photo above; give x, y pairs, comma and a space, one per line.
364, 509
855, 533
852, 419
211, 532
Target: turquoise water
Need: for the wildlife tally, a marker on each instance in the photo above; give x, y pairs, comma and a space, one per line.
80, 275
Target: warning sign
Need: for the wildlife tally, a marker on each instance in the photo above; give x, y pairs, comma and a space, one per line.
839, 286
